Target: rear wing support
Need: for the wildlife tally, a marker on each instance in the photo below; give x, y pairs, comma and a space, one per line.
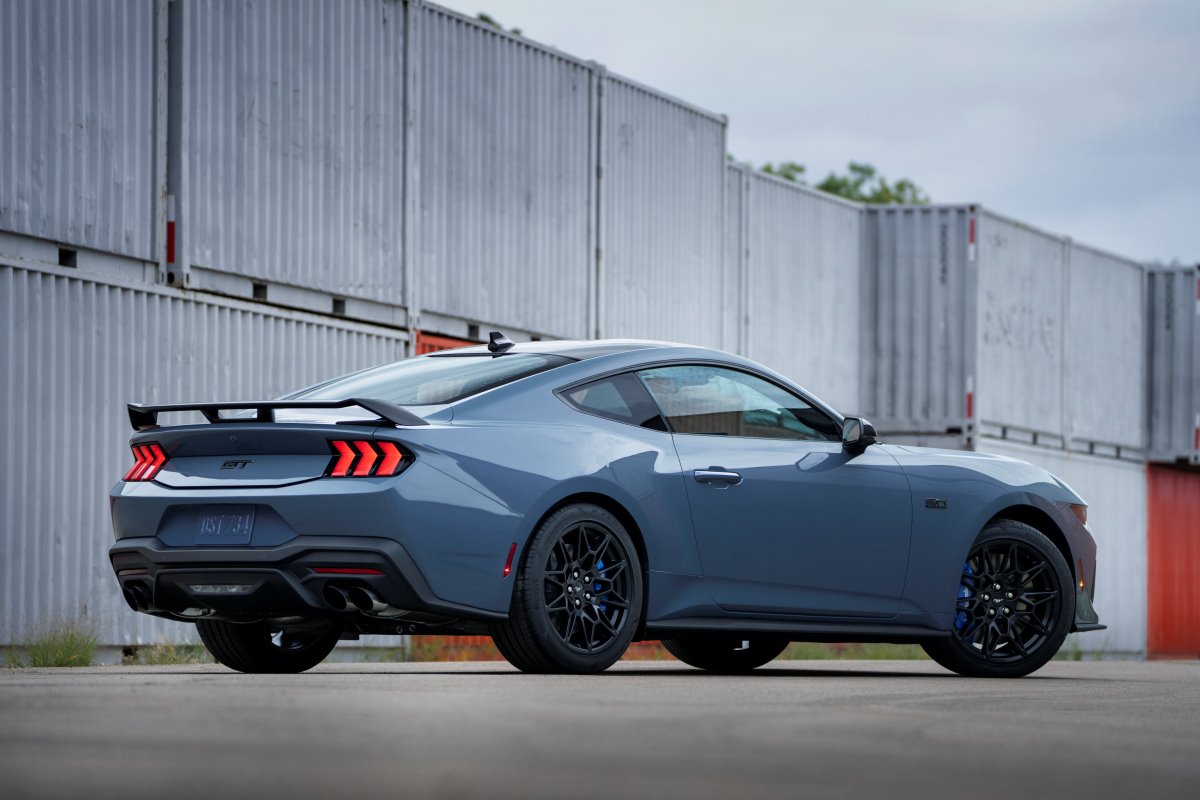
144, 417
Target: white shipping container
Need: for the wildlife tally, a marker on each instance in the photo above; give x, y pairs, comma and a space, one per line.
802, 290
1173, 319
504, 164
976, 324
286, 148
662, 185
77, 349
80, 123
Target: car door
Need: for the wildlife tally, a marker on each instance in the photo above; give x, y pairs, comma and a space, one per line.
785, 519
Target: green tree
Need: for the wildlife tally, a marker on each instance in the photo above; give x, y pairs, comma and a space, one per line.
861, 182
488, 19
788, 170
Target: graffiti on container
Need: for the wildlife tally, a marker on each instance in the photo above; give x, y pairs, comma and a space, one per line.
1016, 326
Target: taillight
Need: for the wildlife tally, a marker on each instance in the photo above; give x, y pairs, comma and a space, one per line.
360, 458
148, 459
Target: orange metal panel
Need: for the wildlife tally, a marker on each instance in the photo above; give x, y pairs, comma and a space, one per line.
430, 343
1173, 542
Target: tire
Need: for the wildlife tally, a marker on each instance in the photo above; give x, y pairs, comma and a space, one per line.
724, 653
253, 647
585, 548
1015, 630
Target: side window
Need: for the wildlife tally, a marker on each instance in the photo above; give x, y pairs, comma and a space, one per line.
617, 397
726, 402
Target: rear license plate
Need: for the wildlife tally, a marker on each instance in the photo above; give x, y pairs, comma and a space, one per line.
225, 525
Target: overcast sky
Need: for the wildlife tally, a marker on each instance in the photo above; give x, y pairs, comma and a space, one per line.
1079, 116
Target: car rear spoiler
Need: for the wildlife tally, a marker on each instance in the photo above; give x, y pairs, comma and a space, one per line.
144, 417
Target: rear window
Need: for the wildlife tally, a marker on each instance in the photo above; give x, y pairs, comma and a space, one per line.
434, 380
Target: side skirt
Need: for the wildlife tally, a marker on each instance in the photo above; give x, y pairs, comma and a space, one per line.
796, 631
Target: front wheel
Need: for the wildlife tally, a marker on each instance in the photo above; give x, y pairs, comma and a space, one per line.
578, 599
260, 647
724, 653
1015, 604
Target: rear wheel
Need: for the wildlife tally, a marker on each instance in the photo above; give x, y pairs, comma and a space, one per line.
1015, 604
578, 598
718, 652
261, 647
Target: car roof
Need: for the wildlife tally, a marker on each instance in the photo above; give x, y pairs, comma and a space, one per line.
578, 350
612, 349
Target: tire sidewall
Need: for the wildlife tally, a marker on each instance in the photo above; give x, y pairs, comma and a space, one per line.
716, 652
248, 648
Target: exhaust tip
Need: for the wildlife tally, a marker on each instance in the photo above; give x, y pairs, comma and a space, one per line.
364, 600
335, 598
137, 596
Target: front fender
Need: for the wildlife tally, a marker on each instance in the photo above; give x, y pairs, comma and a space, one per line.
954, 495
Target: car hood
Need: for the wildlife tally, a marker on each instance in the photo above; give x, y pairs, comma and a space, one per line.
1011, 472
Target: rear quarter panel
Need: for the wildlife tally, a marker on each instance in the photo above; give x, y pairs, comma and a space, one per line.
525, 451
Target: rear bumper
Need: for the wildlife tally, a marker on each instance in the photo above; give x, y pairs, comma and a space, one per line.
457, 537
274, 581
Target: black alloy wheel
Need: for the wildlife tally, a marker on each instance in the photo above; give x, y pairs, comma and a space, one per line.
587, 597
578, 599
1014, 606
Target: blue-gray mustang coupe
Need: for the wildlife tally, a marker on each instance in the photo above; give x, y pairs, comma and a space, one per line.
568, 498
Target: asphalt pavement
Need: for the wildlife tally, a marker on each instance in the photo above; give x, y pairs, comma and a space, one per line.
881, 729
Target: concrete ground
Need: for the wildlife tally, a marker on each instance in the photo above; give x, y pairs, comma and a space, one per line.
644, 729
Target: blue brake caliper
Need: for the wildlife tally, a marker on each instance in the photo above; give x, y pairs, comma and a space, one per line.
596, 587
965, 592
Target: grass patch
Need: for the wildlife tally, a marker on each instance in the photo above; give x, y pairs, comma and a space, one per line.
383, 655
62, 643
165, 654
813, 651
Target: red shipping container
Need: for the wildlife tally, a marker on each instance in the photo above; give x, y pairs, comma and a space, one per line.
430, 343
1173, 544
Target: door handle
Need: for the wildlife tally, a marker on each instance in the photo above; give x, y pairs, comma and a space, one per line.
717, 475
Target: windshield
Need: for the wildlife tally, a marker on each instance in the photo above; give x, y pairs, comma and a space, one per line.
433, 380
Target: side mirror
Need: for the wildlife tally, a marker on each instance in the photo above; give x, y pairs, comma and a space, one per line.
858, 434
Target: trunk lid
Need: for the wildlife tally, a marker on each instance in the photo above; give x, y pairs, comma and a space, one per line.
247, 455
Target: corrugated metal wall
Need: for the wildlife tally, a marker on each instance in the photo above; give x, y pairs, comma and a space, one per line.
662, 188
291, 163
802, 287
504, 168
76, 350
1173, 319
1174, 558
78, 123
1022, 317
1115, 491
1105, 372
920, 281
973, 309
736, 333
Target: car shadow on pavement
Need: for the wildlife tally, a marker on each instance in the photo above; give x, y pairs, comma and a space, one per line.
626, 670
